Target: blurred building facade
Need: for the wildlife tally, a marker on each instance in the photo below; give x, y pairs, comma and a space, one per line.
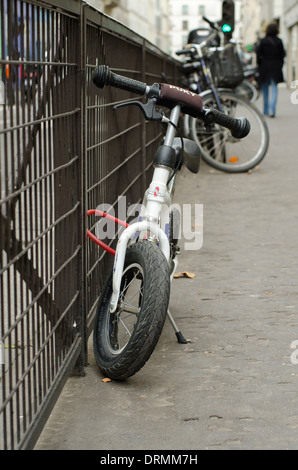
149, 18
256, 14
290, 20
167, 23
186, 15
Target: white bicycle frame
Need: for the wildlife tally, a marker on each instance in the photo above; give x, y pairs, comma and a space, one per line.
155, 217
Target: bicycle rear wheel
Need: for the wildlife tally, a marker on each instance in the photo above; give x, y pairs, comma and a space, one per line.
222, 151
123, 341
248, 91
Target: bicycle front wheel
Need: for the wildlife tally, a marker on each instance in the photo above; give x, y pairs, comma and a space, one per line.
123, 341
222, 151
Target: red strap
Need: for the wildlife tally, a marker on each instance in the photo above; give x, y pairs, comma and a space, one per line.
110, 217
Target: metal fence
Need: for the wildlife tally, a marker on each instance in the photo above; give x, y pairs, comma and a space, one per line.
63, 150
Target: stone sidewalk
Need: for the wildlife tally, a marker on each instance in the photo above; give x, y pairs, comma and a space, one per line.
234, 386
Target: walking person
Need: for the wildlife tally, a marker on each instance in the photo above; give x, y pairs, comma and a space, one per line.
270, 59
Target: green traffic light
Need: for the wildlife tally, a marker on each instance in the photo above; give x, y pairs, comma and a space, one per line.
226, 28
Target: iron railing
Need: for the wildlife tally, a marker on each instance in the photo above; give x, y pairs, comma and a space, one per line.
63, 150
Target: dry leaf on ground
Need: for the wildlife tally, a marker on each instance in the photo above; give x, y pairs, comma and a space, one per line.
185, 274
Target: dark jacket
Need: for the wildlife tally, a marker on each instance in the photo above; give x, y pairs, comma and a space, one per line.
270, 59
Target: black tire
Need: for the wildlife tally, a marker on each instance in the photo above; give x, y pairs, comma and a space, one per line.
218, 148
248, 91
120, 351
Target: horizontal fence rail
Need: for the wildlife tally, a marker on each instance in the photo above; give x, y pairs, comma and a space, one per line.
63, 150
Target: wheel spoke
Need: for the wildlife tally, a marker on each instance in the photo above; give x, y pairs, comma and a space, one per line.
125, 339
219, 148
129, 307
126, 307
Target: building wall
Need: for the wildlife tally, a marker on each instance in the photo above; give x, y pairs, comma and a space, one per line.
251, 21
149, 18
256, 14
291, 30
187, 15
166, 23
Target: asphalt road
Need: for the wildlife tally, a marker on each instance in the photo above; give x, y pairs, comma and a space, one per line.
234, 385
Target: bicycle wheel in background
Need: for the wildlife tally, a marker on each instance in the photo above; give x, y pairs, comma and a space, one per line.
222, 151
124, 340
248, 91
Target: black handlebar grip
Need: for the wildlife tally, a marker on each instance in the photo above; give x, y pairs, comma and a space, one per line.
239, 127
183, 51
211, 23
102, 76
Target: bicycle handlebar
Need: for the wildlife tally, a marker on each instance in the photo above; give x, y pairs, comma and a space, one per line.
170, 96
239, 127
189, 50
164, 94
211, 23
102, 76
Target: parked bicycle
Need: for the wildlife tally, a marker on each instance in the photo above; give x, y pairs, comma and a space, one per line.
218, 148
249, 87
134, 304
226, 65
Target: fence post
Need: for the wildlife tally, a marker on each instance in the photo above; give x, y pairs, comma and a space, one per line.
2, 360
81, 227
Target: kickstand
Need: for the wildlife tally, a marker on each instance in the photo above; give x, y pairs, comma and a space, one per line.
178, 333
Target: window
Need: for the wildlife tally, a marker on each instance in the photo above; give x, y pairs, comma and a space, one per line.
185, 25
201, 10
184, 9
158, 23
